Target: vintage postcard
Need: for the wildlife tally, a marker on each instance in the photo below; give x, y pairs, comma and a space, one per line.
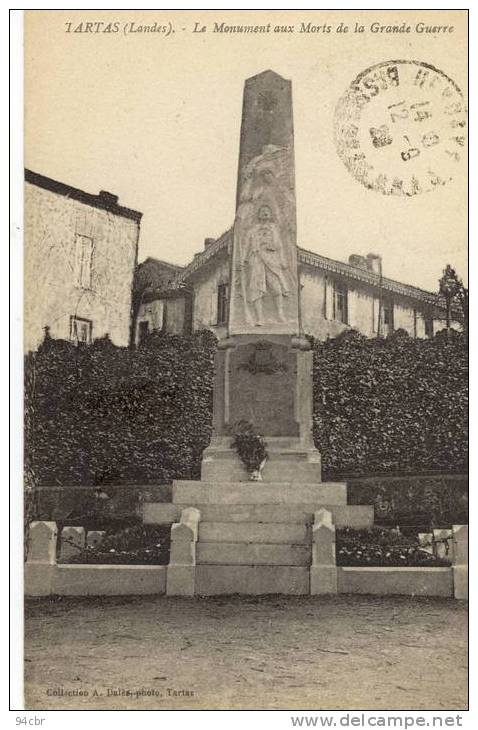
245, 360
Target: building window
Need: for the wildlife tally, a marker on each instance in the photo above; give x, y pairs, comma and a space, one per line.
83, 260
81, 330
341, 303
222, 300
143, 331
428, 326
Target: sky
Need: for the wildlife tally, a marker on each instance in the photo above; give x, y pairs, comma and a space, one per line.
155, 119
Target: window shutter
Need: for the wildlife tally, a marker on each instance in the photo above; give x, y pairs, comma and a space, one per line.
350, 302
326, 284
78, 259
87, 256
375, 313
83, 259
328, 298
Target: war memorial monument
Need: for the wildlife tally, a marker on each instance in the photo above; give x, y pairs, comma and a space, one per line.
276, 536
269, 528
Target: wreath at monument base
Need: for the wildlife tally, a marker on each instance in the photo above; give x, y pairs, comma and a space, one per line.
251, 449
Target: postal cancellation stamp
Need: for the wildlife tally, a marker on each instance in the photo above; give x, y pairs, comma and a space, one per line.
400, 128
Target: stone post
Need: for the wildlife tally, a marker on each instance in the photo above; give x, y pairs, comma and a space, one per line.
94, 538
460, 561
182, 559
323, 572
425, 540
41, 558
72, 541
443, 550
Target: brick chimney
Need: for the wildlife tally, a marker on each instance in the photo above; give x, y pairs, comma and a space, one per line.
108, 198
374, 262
359, 261
370, 262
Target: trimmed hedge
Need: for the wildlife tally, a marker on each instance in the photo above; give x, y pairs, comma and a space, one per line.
391, 405
423, 502
100, 414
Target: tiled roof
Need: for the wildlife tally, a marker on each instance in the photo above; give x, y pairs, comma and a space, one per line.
104, 201
365, 276
315, 260
203, 257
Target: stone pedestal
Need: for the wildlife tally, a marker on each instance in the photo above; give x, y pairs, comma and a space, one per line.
182, 559
460, 561
323, 571
41, 558
265, 380
42, 538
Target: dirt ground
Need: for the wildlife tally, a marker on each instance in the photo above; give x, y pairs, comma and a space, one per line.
274, 652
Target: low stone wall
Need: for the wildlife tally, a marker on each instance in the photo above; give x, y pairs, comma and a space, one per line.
405, 581
108, 580
44, 577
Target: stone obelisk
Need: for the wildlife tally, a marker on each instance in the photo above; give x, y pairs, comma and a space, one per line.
264, 288
263, 369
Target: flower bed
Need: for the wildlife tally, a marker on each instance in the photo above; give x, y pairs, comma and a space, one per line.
377, 547
134, 545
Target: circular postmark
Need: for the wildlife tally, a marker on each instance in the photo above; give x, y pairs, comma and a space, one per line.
400, 128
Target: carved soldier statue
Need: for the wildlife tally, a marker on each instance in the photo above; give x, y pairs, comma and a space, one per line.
264, 265
264, 281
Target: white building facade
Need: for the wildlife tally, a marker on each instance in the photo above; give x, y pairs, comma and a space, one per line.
80, 257
334, 296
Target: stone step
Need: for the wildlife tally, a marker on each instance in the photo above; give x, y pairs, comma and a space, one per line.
229, 553
212, 580
192, 493
280, 533
356, 516
285, 468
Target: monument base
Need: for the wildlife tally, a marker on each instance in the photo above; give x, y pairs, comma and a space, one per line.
251, 538
289, 460
265, 381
